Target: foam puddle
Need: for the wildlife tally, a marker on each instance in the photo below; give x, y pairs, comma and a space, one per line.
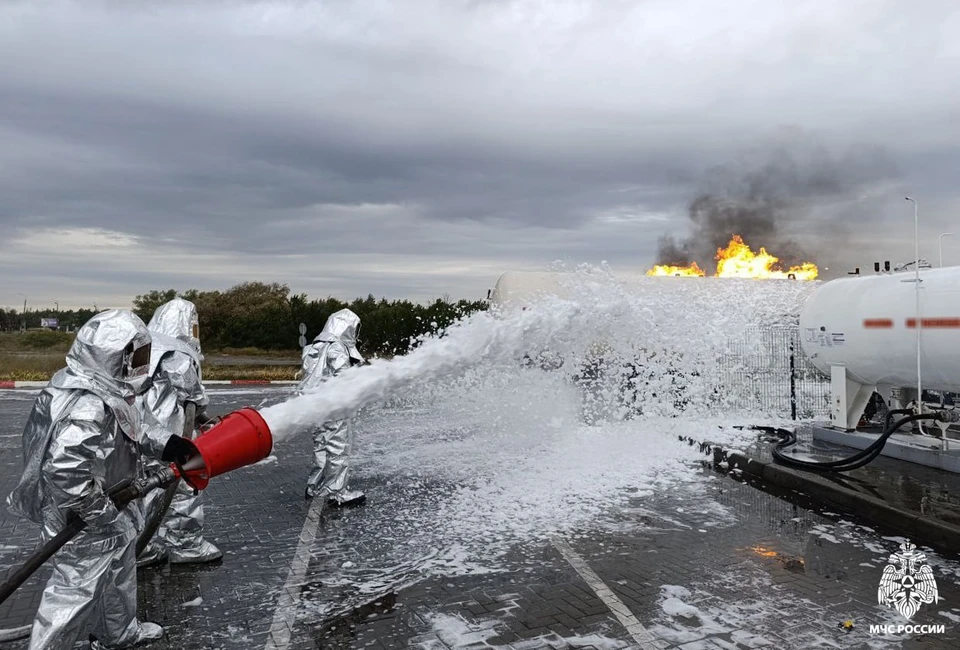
692, 617
449, 631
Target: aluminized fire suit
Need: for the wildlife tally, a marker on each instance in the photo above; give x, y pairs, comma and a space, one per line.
175, 369
334, 349
81, 440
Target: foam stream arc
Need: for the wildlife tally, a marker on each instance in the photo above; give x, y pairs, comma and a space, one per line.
679, 326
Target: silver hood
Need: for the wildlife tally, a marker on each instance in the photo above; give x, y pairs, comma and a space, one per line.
342, 327
99, 362
178, 319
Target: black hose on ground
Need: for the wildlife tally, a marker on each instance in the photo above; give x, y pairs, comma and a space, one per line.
855, 461
792, 440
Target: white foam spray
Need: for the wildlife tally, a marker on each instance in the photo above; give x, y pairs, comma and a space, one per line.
478, 338
675, 326
475, 460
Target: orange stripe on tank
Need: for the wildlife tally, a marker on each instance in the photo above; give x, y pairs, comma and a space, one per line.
935, 323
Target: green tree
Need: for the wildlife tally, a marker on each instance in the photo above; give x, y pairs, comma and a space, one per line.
266, 316
144, 305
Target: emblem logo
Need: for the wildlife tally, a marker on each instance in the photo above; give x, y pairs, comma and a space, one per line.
907, 582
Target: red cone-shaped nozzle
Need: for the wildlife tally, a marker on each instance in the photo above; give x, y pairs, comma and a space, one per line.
242, 438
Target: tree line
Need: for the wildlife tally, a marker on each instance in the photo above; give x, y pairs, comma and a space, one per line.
267, 316
12, 320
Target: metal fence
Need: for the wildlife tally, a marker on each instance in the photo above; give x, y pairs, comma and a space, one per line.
766, 370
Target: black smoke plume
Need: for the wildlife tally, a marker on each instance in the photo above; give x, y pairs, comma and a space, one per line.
762, 202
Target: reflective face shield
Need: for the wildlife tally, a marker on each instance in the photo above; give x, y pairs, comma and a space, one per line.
136, 367
195, 332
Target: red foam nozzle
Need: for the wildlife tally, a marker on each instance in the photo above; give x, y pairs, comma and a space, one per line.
241, 438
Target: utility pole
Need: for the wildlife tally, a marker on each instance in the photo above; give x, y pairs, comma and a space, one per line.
23, 327
916, 270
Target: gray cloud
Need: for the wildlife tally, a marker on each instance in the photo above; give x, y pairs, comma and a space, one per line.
351, 148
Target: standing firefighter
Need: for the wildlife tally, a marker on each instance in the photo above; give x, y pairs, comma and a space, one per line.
175, 405
79, 442
334, 349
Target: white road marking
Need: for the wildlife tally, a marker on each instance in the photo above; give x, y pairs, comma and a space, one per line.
639, 633
285, 616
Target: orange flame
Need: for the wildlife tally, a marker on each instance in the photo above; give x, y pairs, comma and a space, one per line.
764, 551
663, 269
738, 261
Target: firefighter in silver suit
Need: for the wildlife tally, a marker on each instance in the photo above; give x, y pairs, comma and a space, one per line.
333, 350
81, 440
175, 404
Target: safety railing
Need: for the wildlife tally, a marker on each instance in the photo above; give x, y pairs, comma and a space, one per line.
764, 369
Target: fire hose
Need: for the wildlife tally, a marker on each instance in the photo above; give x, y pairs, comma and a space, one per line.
855, 461
239, 439
121, 495
155, 518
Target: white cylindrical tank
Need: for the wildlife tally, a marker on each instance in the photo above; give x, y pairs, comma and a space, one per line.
868, 325
515, 289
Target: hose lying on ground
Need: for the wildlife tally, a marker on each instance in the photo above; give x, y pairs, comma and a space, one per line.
855, 461
14, 633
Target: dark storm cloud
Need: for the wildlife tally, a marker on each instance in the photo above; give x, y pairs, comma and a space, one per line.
204, 173
341, 145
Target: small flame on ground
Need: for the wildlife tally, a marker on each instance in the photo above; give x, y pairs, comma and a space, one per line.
764, 551
737, 260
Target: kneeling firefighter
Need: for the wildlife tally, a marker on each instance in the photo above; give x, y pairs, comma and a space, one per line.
81, 440
334, 349
174, 405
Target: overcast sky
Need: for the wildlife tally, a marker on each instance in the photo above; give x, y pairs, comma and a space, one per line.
417, 148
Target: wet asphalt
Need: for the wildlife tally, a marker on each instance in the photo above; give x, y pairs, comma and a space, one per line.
722, 566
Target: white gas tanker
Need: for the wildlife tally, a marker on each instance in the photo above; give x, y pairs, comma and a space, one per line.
863, 333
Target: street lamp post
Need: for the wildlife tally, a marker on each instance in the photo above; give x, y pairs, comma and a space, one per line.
916, 270
940, 245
